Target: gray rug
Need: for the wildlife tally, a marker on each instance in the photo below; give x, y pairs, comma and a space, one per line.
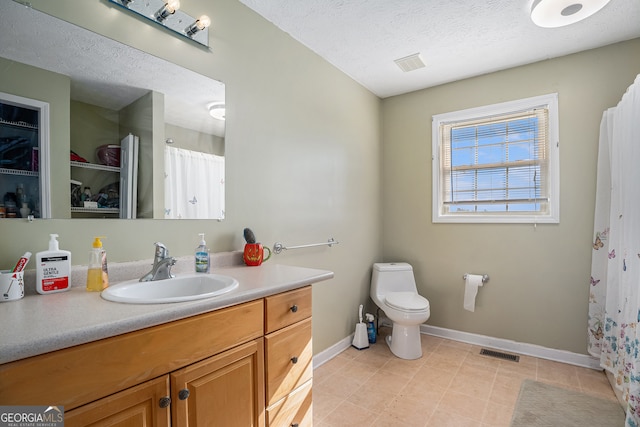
542, 404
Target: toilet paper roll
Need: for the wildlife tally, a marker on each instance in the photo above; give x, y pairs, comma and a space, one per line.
471, 285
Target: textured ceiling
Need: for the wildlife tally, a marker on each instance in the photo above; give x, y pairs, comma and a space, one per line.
104, 72
457, 39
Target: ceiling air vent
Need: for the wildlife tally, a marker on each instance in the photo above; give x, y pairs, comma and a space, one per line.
410, 63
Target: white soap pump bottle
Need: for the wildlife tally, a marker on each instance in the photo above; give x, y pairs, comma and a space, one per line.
202, 256
53, 268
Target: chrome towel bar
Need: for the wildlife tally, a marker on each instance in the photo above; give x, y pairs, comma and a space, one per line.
279, 247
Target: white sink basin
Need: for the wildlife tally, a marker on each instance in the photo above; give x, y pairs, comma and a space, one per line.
184, 287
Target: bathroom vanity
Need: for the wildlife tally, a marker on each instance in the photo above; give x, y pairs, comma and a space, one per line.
241, 359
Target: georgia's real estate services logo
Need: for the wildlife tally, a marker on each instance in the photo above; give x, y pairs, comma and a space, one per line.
31, 416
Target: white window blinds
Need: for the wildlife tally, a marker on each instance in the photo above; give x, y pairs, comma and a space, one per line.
498, 165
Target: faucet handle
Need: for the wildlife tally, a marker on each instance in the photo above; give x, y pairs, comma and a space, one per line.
161, 251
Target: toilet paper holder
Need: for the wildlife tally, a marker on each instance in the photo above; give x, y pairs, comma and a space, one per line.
485, 278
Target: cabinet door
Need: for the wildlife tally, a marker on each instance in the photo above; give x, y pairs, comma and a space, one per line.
138, 406
226, 390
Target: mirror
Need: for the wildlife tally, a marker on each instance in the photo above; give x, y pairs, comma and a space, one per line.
120, 90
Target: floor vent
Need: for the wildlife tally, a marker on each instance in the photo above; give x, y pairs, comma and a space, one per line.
499, 355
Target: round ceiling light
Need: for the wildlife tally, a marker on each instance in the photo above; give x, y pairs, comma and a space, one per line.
218, 110
558, 13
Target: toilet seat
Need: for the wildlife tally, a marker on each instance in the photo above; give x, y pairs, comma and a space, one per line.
407, 302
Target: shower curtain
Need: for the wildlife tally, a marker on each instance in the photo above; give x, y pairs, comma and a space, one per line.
614, 298
194, 184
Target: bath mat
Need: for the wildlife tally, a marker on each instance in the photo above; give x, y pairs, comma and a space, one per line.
545, 405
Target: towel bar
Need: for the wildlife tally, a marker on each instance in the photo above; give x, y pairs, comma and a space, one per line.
279, 247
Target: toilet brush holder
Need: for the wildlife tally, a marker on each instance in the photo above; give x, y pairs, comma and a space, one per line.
360, 337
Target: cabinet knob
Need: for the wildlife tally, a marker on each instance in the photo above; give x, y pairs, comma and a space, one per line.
165, 402
294, 425
294, 308
294, 359
183, 394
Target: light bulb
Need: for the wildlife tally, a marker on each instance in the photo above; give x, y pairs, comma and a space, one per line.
172, 5
203, 22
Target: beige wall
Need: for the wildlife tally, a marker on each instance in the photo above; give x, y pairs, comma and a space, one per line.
539, 284
304, 163
302, 150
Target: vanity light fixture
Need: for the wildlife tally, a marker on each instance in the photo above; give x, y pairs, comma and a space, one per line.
559, 13
201, 23
169, 8
218, 110
167, 13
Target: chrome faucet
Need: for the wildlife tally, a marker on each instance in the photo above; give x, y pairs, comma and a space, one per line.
162, 264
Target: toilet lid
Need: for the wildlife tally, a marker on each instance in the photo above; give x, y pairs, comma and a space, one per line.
407, 301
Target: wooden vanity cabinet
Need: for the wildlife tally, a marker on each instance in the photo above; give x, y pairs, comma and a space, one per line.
288, 358
248, 365
224, 390
137, 406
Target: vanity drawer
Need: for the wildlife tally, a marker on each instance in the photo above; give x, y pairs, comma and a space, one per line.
288, 359
293, 410
287, 308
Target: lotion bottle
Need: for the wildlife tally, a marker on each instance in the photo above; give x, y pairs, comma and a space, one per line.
53, 268
202, 256
97, 273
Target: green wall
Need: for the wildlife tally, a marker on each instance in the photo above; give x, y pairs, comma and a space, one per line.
302, 154
539, 275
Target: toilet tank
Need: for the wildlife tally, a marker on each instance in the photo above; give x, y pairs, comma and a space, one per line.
392, 277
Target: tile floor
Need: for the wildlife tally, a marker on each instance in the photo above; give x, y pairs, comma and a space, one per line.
451, 385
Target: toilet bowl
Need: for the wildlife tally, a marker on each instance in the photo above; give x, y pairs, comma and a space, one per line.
393, 290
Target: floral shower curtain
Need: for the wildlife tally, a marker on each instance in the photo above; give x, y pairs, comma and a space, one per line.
614, 299
194, 184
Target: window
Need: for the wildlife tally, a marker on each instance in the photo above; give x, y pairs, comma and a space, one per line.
497, 163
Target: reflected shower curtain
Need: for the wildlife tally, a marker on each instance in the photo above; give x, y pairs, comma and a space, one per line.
614, 298
194, 184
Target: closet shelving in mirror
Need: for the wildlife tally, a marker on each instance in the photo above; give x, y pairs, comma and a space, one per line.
110, 212
24, 136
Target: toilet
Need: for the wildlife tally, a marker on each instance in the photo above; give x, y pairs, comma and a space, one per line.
393, 289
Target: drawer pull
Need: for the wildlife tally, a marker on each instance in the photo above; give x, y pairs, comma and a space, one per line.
294, 359
165, 402
183, 394
294, 308
294, 425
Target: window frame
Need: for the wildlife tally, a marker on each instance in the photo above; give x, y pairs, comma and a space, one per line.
548, 101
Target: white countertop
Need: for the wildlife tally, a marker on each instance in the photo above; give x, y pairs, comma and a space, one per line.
38, 324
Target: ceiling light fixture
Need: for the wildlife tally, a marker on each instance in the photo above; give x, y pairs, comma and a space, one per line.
558, 13
218, 110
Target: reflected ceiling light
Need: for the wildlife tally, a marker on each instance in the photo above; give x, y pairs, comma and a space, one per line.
200, 24
558, 13
218, 110
169, 8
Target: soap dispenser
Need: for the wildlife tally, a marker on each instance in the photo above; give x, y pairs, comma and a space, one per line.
97, 273
202, 256
53, 268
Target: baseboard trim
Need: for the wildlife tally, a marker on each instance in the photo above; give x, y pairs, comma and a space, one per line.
562, 356
331, 352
